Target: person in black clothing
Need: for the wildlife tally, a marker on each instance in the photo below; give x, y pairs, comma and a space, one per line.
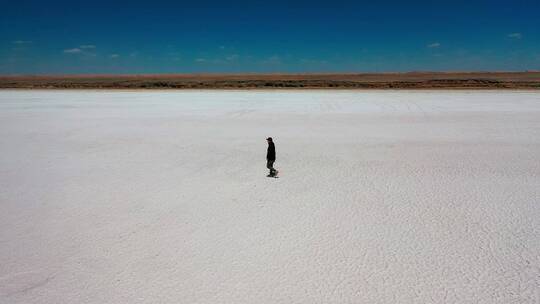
271, 157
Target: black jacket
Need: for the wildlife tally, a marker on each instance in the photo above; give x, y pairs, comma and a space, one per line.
271, 153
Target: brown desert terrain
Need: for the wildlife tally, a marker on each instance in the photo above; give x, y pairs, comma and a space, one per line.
411, 80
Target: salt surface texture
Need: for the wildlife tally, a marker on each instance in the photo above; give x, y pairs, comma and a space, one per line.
162, 197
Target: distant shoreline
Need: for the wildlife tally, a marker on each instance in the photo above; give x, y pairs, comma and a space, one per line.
365, 81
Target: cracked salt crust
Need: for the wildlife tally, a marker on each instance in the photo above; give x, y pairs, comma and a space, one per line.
162, 197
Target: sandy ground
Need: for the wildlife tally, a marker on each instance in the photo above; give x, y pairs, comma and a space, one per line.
162, 197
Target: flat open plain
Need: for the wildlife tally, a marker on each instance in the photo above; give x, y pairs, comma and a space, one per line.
529, 80
162, 197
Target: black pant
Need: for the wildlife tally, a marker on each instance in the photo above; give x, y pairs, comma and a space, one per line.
270, 166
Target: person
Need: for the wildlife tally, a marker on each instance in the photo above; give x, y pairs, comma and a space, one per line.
271, 157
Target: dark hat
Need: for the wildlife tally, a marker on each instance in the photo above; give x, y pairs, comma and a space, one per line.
269, 138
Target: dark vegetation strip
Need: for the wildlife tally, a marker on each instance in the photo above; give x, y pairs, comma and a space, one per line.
529, 80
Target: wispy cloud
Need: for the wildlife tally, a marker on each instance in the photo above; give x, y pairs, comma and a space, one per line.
19, 42
232, 57
113, 56
20, 45
434, 45
73, 51
175, 56
313, 61
84, 49
515, 36
275, 59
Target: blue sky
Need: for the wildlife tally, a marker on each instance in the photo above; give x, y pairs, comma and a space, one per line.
66, 37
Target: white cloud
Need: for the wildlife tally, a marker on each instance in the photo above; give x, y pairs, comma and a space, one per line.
515, 35
232, 57
224, 60
434, 45
114, 56
73, 51
22, 42
85, 49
